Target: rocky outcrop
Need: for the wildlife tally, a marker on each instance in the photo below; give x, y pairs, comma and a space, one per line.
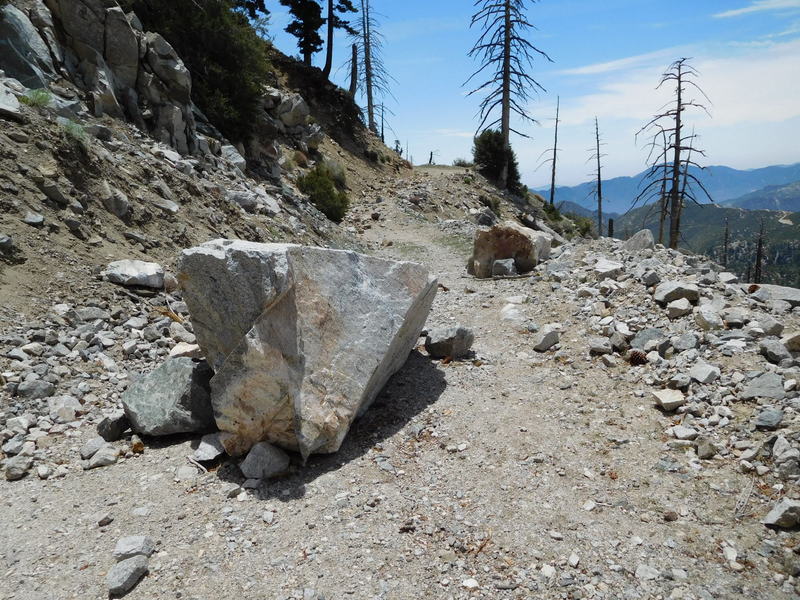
123, 70
508, 240
302, 339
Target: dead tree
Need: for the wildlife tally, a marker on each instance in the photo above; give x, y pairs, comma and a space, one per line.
758, 268
372, 77
354, 71
366, 24
555, 156
675, 175
504, 53
598, 174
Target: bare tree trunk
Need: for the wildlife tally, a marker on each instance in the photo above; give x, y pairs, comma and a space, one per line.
662, 216
675, 194
368, 65
382, 124
354, 71
758, 275
599, 178
326, 70
505, 123
555, 155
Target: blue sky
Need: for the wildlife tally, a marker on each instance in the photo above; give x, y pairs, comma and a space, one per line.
607, 59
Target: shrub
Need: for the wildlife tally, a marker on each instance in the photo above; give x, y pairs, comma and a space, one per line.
336, 171
463, 162
223, 52
74, 131
318, 184
37, 98
584, 226
488, 151
491, 202
552, 212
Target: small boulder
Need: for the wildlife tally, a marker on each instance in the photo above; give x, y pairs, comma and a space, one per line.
704, 373
547, 337
17, 467
774, 351
134, 545
708, 319
792, 341
669, 400
669, 291
641, 240
124, 575
785, 514
209, 448
172, 399
454, 342
135, 273
113, 427
679, 308
264, 461
504, 268
507, 240
767, 385
607, 269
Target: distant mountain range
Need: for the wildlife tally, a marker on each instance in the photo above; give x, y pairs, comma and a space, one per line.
773, 187
772, 197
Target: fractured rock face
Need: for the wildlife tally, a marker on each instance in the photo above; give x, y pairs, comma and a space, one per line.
508, 240
302, 339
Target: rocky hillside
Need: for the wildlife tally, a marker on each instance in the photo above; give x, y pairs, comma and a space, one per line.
703, 232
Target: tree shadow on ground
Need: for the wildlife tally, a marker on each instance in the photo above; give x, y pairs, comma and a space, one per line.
417, 385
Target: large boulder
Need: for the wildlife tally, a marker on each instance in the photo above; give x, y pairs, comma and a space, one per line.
642, 240
507, 240
172, 399
302, 339
786, 294
24, 55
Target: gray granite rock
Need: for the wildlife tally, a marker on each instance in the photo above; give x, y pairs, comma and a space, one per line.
124, 575
454, 341
174, 398
264, 461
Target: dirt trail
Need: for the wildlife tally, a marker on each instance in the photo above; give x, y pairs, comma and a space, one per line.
513, 475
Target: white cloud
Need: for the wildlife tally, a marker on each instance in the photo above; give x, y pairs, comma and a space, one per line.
760, 6
755, 112
620, 64
454, 133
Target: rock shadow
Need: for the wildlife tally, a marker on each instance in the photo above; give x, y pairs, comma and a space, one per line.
417, 385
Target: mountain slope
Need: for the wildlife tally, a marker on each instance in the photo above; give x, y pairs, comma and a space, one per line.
703, 230
772, 197
723, 183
